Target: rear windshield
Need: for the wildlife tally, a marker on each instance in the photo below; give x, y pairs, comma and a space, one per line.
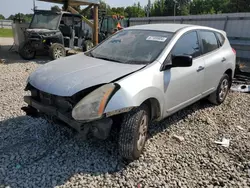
133, 46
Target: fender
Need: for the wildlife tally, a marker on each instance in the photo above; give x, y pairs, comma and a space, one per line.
137, 88
122, 101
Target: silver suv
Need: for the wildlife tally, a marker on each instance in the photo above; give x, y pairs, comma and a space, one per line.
138, 75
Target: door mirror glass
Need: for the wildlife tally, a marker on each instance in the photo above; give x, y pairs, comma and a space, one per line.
182, 61
177, 61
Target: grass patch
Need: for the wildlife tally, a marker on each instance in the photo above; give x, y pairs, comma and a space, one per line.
6, 32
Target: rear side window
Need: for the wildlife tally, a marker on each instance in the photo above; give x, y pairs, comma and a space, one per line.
221, 38
188, 44
209, 41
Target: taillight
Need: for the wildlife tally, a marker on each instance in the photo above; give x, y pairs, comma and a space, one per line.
234, 51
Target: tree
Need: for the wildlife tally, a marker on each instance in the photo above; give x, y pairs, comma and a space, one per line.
239, 6
135, 11
2, 17
167, 7
201, 7
21, 16
219, 6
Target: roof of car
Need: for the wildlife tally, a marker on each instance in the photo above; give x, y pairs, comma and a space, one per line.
162, 27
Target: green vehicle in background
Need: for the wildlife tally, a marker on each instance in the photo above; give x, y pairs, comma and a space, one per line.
108, 25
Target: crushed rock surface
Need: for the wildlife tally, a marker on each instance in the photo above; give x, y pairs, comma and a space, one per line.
36, 153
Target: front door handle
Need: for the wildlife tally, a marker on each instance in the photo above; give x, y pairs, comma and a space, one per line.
200, 68
223, 59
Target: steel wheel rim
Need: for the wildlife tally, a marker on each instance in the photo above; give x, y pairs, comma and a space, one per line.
58, 53
142, 133
223, 89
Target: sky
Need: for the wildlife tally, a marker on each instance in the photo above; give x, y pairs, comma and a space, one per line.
8, 7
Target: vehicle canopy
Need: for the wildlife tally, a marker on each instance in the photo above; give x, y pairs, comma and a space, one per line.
45, 19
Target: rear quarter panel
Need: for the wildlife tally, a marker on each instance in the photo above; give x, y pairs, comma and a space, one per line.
227, 51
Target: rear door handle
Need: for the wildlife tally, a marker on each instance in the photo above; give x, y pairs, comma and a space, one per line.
200, 68
223, 59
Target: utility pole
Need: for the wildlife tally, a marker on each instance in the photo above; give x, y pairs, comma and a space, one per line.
175, 2
148, 8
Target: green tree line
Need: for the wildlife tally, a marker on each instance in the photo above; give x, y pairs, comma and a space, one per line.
181, 7
21, 16
163, 8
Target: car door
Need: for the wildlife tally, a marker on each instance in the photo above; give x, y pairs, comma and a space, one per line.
183, 85
214, 59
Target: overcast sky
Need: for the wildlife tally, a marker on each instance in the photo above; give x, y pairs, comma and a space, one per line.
8, 7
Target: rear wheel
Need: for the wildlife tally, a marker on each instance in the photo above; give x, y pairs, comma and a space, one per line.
26, 51
221, 92
133, 133
57, 51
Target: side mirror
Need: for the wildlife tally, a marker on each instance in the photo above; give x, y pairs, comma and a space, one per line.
177, 61
182, 61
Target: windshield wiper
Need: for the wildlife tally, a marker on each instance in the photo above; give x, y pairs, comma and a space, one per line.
109, 59
136, 62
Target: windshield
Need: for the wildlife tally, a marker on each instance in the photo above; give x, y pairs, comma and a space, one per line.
45, 21
133, 46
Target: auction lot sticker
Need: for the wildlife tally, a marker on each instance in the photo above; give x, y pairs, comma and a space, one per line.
156, 38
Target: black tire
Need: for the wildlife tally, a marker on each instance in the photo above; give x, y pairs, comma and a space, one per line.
57, 51
87, 45
129, 147
26, 51
224, 85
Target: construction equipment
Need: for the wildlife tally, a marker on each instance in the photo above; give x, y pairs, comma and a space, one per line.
108, 25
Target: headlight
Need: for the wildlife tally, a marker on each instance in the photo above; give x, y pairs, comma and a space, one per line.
92, 106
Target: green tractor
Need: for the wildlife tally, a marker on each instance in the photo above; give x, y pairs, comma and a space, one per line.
108, 25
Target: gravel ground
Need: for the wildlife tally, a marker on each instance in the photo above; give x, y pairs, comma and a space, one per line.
180, 151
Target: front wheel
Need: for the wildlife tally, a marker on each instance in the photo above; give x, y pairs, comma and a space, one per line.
221, 92
57, 51
26, 51
133, 133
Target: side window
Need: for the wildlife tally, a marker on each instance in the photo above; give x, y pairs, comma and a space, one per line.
188, 44
209, 41
221, 38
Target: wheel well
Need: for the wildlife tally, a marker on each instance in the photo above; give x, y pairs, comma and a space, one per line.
154, 107
229, 72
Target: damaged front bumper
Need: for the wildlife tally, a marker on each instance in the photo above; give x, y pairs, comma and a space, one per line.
99, 128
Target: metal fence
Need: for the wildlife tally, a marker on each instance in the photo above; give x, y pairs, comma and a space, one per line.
6, 24
237, 26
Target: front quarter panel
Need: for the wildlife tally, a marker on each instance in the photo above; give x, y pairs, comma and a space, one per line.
137, 88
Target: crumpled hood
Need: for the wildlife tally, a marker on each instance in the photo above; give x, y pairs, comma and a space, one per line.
69, 75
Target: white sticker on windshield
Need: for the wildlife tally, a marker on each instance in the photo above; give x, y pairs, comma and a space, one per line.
158, 39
